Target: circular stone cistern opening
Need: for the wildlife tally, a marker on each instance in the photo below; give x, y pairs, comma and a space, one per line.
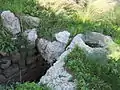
94, 39
93, 44
13, 69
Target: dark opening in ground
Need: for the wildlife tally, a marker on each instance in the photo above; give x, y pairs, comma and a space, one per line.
34, 69
93, 44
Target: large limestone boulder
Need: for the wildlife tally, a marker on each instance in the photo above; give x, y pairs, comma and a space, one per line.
98, 38
96, 46
10, 22
50, 50
57, 78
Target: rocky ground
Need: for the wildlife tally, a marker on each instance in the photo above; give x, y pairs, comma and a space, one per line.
42, 60
13, 68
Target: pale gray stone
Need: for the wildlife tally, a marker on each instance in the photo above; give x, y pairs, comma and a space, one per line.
99, 38
31, 35
50, 51
11, 22
63, 36
57, 78
31, 21
98, 52
42, 44
78, 41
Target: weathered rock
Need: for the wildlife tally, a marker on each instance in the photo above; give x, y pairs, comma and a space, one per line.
95, 45
63, 36
105, 43
31, 21
2, 79
98, 38
6, 62
77, 40
54, 50
31, 35
15, 58
42, 44
50, 51
11, 22
57, 78
11, 70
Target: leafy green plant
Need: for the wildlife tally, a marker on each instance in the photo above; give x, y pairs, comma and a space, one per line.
90, 75
30, 86
73, 19
3, 87
7, 44
23, 86
17, 6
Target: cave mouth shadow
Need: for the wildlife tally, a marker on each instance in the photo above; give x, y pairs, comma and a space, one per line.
93, 44
30, 73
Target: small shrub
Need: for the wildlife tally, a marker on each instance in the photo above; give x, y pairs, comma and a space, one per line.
29, 86
3, 87
6, 42
91, 75
23, 86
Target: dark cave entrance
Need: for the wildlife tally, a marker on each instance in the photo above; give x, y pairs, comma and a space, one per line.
32, 71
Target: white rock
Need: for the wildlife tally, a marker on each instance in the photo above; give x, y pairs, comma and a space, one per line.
78, 41
50, 51
11, 22
31, 35
42, 44
57, 78
99, 52
62, 37
99, 38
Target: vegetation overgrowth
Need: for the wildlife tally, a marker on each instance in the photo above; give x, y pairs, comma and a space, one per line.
75, 19
91, 75
23, 86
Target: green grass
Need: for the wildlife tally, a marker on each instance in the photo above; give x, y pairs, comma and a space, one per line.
73, 20
6, 43
30, 86
17, 6
24, 86
90, 75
